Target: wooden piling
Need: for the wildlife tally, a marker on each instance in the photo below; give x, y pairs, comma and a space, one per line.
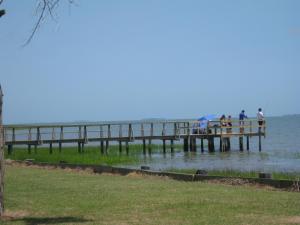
79, 147
120, 146
102, 147
211, 144
149, 147
247, 143
29, 149
50, 148
172, 146
164, 146
202, 145
186, 144
241, 143
61, 138
144, 146
259, 141
127, 147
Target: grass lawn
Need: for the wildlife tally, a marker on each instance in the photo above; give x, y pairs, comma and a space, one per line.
55, 196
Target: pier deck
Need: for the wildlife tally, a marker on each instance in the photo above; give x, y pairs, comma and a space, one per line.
104, 133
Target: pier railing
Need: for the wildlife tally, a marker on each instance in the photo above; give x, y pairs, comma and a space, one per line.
128, 132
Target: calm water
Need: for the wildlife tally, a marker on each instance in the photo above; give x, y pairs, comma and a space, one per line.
280, 152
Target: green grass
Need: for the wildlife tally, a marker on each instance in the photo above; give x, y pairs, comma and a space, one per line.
41, 196
240, 174
91, 154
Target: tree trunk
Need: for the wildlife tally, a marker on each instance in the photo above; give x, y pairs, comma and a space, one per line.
1, 157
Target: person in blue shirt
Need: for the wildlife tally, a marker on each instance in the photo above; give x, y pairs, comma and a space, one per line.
242, 117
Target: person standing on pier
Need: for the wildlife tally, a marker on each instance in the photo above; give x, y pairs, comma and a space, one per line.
242, 117
260, 117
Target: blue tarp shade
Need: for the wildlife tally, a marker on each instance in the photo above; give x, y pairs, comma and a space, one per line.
204, 120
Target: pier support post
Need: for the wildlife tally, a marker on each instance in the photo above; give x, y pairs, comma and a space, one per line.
211, 144
172, 146
59, 146
106, 146
120, 146
164, 146
247, 143
127, 147
10, 149
35, 149
79, 147
202, 145
149, 147
241, 143
82, 147
221, 145
186, 144
50, 148
102, 147
144, 146
29, 149
259, 141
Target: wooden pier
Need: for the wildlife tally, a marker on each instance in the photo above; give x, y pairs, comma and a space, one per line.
186, 132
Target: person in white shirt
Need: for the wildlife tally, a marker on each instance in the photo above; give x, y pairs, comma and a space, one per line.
260, 117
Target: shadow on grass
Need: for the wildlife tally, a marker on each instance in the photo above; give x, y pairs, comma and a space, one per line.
51, 220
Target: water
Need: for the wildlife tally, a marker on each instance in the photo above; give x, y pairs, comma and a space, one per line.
280, 149
280, 152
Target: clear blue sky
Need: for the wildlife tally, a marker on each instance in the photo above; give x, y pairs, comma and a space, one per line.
122, 60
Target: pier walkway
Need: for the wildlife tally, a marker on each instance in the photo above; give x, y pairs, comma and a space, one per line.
186, 132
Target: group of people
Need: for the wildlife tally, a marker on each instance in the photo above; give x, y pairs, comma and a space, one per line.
227, 122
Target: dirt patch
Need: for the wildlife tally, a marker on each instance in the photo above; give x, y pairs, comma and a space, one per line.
240, 182
292, 220
12, 215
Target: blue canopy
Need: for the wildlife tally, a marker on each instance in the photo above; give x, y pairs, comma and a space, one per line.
204, 120
208, 117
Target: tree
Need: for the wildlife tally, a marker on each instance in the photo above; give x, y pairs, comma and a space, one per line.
44, 9
1, 157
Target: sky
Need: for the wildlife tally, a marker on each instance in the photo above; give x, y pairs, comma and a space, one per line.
137, 59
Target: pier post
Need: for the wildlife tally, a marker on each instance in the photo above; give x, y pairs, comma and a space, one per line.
120, 146
79, 147
50, 148
164, 146
247, 143
35, 149
82, 147
102, 147
259, 140
29, 149
106, 146
172, 145
241, 143
127, 147
144, 146
202, 145
9, 149
221, 145
149, 146
211, 144
186, 144
61, 137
